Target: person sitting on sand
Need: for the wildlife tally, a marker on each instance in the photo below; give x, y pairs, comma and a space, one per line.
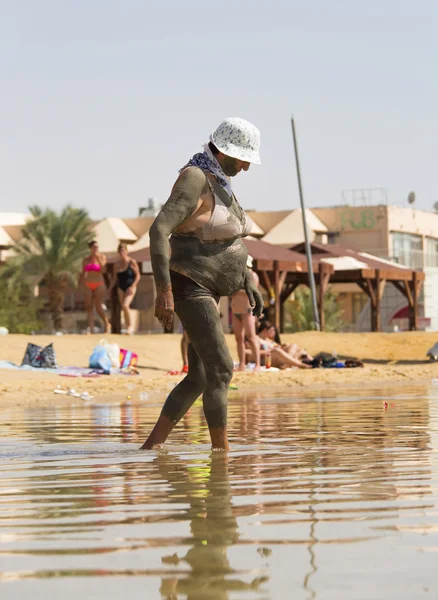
268, 331
282, 357
244, 323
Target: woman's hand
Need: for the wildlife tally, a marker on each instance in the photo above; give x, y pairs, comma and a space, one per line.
164, 307
130, 291
254, 296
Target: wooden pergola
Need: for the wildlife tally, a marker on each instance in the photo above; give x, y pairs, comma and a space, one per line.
370, 273
280, 271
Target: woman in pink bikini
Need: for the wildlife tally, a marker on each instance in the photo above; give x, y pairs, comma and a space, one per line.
95, 288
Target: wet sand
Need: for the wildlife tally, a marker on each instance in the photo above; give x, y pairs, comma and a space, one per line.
398, 358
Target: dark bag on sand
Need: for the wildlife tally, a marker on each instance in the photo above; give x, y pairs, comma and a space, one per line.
36, 356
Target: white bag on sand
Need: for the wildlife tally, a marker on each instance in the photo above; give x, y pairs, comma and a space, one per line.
432, 353
113, 351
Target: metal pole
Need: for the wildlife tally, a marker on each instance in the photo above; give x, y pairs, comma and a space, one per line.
306, 235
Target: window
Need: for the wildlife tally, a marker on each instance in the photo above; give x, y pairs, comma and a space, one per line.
407, 249
431, 252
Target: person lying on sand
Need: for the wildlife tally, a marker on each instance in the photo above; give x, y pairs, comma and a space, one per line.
284, 355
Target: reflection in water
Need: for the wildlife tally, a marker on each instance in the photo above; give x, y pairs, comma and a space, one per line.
213, 528
322, 499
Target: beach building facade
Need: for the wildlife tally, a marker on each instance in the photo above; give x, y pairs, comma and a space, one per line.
400, 234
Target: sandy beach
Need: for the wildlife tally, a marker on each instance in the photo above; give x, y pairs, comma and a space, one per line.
389, 359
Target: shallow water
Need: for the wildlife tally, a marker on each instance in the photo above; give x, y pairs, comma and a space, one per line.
329, 498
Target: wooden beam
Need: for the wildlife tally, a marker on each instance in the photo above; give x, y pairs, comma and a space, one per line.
400, 286
364, 287
267, 281
283, 275
372, 292
288, 289
408, 293
382, 287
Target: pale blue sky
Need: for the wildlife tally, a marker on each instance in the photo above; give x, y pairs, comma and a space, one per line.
103, 100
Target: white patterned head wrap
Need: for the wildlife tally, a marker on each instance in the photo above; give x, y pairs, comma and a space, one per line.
239, 139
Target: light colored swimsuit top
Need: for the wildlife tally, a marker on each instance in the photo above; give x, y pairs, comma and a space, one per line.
223, 224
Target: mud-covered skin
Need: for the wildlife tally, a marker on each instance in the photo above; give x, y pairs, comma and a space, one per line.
210, 364
220, 267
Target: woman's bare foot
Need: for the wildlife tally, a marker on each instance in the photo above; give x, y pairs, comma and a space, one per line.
159, 433
219, 439
241, 368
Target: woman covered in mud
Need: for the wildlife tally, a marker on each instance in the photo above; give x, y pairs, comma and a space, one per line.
208, 260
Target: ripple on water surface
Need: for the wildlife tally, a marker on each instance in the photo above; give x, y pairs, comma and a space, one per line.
323, 499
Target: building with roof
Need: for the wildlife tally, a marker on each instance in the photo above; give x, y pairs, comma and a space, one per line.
10, 232
290, 229
399, 234
110, 232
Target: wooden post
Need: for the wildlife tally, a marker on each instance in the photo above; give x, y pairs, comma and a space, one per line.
277, 291
279, 280
415, 295
377, 320
115, 319
379, 284
369, 286
324, 278
411, 289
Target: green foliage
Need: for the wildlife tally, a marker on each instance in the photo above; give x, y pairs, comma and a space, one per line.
19, 309
299, 313
51, 250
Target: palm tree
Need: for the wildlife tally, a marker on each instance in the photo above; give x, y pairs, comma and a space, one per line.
51, 250
299, 312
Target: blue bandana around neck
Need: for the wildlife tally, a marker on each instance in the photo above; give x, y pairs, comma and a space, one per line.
207, 162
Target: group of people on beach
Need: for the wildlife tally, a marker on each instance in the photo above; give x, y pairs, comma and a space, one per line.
126, 276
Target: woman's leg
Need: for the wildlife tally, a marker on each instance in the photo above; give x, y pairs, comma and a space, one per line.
239, 334
200, 319
185, 350
99, 296
282, 359
89, 307
125, 303
250, 332
179, 401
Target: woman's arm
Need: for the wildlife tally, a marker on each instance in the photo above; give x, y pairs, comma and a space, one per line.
101, 259
254, 296
182, 203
